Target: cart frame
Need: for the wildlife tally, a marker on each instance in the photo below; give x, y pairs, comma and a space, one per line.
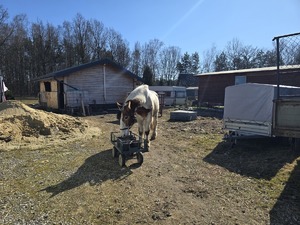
127, 147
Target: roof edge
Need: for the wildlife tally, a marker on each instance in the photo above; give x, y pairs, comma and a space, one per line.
67, 71
272, 68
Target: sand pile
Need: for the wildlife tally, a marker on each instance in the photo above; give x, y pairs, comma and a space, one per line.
23, 126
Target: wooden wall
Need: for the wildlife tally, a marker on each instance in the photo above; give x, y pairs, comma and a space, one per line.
91, 85
212, 87
49, 98
92, 81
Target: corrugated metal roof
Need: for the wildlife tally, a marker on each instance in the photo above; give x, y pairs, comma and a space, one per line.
68, 71
273, 68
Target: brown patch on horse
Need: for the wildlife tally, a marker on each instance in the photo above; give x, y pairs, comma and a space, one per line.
143, 112
128, 112
133, 104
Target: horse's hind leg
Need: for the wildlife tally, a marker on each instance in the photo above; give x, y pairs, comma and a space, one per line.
147, 125
154, 128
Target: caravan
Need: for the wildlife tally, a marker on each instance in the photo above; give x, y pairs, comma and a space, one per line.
192, 96
172, 95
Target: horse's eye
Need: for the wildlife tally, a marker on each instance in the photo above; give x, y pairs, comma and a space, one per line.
126, 117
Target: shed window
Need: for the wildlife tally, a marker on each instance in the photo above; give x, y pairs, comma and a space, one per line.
47, 86
240, 80
166, 93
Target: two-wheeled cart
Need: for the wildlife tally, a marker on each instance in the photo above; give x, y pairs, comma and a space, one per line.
128, 147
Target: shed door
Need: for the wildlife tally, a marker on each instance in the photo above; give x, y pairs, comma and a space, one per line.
61, 100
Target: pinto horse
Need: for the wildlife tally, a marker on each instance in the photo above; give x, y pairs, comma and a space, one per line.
141, 106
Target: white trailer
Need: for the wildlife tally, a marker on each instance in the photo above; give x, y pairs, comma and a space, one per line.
249, 109
173, 95
192, 96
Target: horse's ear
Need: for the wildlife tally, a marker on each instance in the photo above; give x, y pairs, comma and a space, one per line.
119, 105
129, 105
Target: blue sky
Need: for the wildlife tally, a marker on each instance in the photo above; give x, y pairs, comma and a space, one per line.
192, 25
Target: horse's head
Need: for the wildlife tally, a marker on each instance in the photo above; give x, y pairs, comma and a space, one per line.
127, 117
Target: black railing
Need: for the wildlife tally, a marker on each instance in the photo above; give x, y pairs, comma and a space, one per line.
288, 54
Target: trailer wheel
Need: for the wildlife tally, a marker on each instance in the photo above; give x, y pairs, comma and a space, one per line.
122, 160
114, 152
140, 158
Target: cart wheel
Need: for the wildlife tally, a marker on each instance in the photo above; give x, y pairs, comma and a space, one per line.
121, 160
114, 152
140, 158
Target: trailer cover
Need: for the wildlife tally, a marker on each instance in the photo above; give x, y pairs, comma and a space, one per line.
248, 107
253, 102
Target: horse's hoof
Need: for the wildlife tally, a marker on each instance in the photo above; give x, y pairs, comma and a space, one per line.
153, 137
147, 145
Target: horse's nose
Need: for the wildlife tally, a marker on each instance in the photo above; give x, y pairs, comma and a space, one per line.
124, 132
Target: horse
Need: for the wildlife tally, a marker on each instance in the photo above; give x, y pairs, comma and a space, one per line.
141, 106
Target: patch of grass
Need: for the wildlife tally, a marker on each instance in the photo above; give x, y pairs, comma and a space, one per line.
278, 182
205, 141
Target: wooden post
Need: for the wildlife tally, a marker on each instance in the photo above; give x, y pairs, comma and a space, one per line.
82, 105
161, 98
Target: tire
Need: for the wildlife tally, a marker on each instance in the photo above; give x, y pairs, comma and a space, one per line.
140, 158
122, 160
114, 152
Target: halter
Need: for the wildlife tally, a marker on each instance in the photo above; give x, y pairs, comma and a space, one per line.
125, 128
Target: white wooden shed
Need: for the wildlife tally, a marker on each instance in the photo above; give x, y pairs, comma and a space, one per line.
98, 83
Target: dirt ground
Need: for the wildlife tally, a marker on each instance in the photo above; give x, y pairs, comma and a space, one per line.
58, 169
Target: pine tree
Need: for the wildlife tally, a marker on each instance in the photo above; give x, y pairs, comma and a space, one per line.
195, 63
148, 76
221, 62
189, 64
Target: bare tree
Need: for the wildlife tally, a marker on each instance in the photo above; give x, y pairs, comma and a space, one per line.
208, 60
118, 47
38, 56
82, 38
150, 55
169, 58
68, 45
240, 56
233, 52
136, 64
53, 48
5, 28
17, 58
99, 39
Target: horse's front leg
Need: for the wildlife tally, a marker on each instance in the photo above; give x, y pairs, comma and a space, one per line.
141, 131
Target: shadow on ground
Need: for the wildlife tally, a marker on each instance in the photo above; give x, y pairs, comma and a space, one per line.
262, 159
210, 112
259, 158
96, 169
287, 208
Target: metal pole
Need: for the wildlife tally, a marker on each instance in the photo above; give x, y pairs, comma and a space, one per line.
104, 83
278, 63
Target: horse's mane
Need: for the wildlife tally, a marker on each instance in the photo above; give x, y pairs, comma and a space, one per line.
139, 94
